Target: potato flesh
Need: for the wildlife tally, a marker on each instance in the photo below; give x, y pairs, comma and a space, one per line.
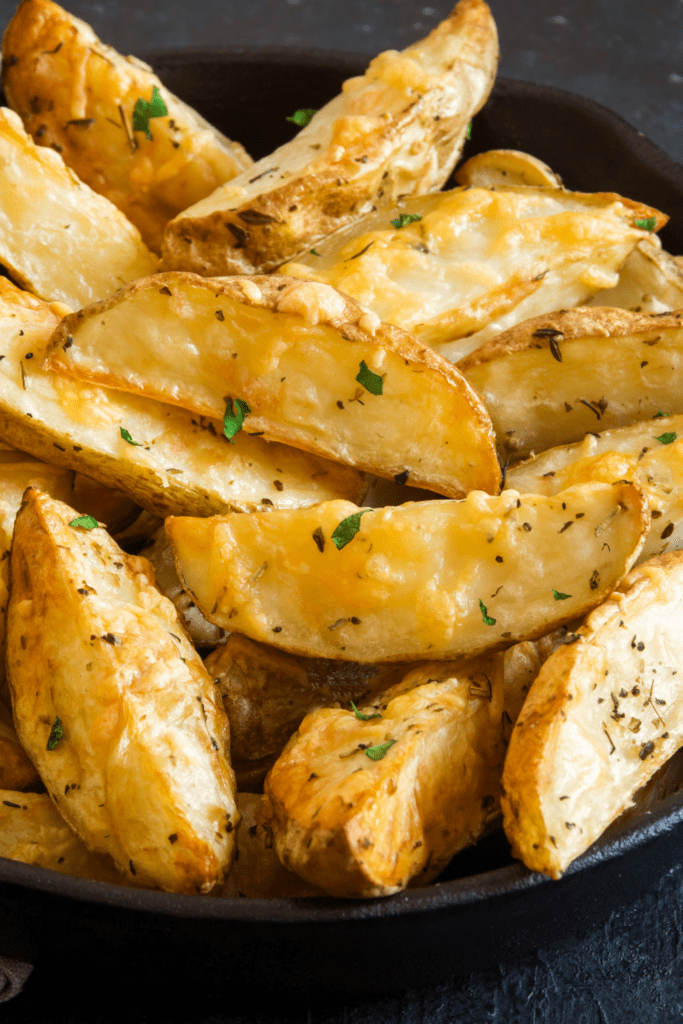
358, 827
397, 130
506, 168
180, 464
288, 350
408, 585
76, 93
650, 281
142, 756
602, 716
494, 257
631, 452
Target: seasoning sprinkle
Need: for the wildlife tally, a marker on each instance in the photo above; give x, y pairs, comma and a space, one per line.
364, 718
56, 734
377, 752
345, 531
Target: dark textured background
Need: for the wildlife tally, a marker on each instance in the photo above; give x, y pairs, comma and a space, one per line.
627, 55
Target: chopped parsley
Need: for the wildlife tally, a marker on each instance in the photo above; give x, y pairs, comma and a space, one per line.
314, 253
667, 438
234, 417
406, 218
468, 133
364, 718
559, 596
648, 224
87, 522
372, 382
302, 117
347, 529
56, 734
377, 753
126, 437
660, 414
145, 109
488, 621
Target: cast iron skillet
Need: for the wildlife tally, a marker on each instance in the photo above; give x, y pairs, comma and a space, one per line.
485, 907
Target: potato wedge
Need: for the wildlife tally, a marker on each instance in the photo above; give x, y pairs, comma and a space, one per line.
33, 831
310, 368
395, 131
601, 717
506, 167
363, 808
16, 768
57, 237
175, 463
540, 385
413, 581
476, 261
650, 281
632, 452
521, 665
79, 96
114, 706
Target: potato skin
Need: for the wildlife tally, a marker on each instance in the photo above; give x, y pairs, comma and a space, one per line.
16, 768
78, 95
141, 771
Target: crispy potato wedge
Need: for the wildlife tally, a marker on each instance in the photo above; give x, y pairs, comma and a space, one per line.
601, 717
521, 665
58, 238
33, 831
16, 768
78, 96
476, 261
363, 808
632, 452
315, 370
176, 463
114, 706
414, 581
650, 281
540, 385
506, 167
395, 131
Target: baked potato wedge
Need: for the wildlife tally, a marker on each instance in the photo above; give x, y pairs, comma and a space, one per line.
540, 385
111, 118
174, 462
506, 167
33, 831
364, 804
456, 268
16, 768
395, 131
304, 365
650, 281
601, 717
433, 579
114, 706
58, 238
649, 452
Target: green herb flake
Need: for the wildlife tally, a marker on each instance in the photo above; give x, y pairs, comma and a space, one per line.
56, 734
372, 382
314, 253
361, 717
234, 417
468, 133
559, 596
377, 753
667, 438
302, 117
87, 522
648, 224
125, 434
145, 109
659, 415
406, 218
346, 530
488, 621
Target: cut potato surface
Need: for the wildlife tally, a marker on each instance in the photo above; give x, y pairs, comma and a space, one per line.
541, 383
173, 463
649, 452
397, 130
506, 167
602, 716
304, 364
363, 808
114, 706
16, 767
434, 579
57, 237
456, 268
79, 96
650, 281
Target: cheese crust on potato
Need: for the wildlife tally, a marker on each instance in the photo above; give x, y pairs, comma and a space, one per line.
79, 96
433, 579
551, 380
456, 268
364, 807
304, 364
602, 716
114, 705
58, 238
173, 463
395, 131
